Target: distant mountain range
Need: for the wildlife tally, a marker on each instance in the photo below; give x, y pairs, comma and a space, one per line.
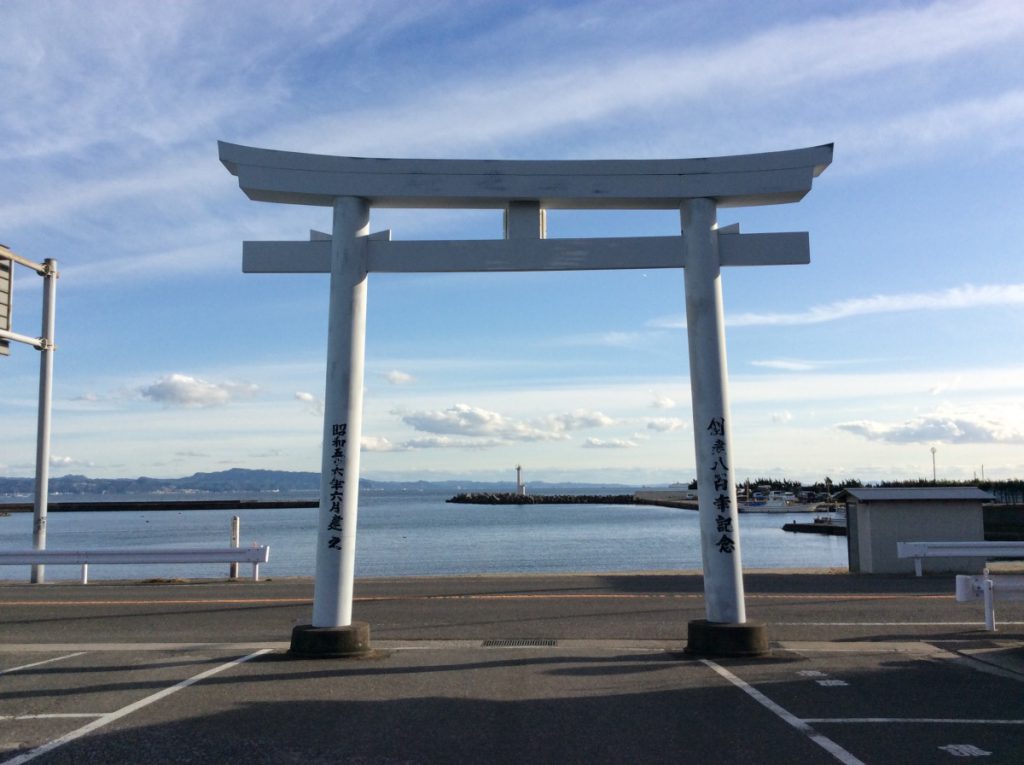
243, 481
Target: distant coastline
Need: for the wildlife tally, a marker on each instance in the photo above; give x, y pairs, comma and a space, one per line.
158, 504
244, 482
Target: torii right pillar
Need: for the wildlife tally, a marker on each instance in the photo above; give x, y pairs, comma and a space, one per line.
725, 631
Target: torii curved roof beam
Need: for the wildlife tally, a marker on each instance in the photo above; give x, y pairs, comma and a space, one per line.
647, 184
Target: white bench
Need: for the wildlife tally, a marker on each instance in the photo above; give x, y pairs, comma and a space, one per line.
254, 555
986, 550
985, 587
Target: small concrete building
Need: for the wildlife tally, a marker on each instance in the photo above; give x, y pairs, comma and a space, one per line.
878, 518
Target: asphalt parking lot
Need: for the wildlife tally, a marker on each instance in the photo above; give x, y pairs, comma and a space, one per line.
508, 669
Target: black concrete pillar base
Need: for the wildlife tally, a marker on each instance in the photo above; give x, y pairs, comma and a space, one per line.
351, 642
706, 638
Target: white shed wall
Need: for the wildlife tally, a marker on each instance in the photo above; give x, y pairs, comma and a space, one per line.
880, 525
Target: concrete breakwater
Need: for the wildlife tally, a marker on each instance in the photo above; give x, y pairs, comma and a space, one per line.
509, 498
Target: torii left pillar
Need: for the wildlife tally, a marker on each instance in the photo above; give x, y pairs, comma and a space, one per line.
725, 631
332, 633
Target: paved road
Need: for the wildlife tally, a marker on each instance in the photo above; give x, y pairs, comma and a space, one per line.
509, 669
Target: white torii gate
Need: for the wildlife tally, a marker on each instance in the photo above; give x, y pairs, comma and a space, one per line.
525, 189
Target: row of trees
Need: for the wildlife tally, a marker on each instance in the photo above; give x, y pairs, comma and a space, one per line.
1010, 491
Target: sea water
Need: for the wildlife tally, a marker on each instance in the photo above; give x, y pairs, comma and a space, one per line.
411, 533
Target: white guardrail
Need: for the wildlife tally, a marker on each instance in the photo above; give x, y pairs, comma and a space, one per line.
986, 550
254, 555
985, 587
970, 588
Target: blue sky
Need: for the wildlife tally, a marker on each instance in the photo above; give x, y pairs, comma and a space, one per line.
902, 334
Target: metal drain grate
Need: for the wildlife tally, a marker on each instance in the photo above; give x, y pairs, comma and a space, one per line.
519, 643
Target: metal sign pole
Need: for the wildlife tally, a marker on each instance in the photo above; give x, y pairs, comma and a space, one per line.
43, 428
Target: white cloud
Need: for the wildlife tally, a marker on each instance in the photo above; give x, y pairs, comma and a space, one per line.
612, 443
396, 377
380, 444
782, 417
946, 386
938, 427
183, 390
619, 339
376, 444
445, 442
476, 422
466, 420
661, 401
666, 424
314, 404
580, 419
787, 365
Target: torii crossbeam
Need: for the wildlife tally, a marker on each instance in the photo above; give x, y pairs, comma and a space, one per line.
524, 190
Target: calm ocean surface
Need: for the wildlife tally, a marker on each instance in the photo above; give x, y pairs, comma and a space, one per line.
408, 533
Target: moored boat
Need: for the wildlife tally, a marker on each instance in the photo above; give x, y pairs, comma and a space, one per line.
777, 502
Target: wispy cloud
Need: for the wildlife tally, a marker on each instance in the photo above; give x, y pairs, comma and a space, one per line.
983, 119
488, 106
955, 298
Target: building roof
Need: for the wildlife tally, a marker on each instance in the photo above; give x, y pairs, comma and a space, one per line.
919, 494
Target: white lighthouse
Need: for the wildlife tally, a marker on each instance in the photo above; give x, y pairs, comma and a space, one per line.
520, 486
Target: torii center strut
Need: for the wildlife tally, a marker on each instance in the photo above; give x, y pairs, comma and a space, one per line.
524, 190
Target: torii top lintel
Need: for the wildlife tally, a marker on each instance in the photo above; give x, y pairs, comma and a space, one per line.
631, 184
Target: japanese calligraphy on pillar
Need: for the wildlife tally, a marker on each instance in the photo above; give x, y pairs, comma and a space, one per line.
339, 432
720, 477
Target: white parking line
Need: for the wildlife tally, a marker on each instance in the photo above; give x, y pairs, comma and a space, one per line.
127, 710
824, 742
52, 716
891, 624
40, 663
916, 720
